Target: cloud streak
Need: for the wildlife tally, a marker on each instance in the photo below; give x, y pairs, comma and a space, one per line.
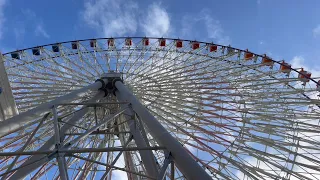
2, 18
157, 21
192, 23
116, 18
40, 31
299, 62
111, 18
316, 31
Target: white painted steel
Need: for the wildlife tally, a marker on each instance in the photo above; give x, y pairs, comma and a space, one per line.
15, 122
188, 166
238, 117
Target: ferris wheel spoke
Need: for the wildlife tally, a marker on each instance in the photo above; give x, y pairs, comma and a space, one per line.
73, 64
91, 60
239, 115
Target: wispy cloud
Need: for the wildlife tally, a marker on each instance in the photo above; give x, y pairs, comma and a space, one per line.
316, 31
40, 31
117, 174
29, 14
157, 21
299, 62
191, 24
30, 21
111, 18
2, 18
215, 30
19, 32
116, 18
36, 22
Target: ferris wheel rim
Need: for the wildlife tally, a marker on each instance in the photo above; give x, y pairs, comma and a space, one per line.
240, 132
166, 38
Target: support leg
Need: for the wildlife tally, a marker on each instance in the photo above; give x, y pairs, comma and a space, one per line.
186, 164
62, 167
17, 121
115, 160
172, 170
39, 160
164, 167
60, 156
26, 144
147, 157
127, 159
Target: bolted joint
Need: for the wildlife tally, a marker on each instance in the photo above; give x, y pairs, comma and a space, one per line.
105, 92
115, 80
102, 82
111, 77
111, 83
53, 155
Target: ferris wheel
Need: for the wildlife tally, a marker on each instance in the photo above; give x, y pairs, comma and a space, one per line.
155, 108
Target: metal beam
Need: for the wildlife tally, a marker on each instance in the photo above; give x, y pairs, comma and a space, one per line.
97, 132
172, 170
116, 159
24, 165
128, 160
56, 126
143, 131
8, 106
85, 134
63, 172
91, 104
62, 167
147, 157
50, 144
114, 167
17, 121
26, 144
186, 164
164, 168
82, 150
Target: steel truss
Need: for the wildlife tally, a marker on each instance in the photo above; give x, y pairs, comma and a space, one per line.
128, 107
204, 110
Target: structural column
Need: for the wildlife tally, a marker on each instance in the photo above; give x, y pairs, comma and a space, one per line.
147, 157
15, 122
8, 106
39, 160
186, 164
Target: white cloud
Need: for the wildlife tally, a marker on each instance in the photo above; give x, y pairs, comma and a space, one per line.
117, 174
215, 31
30, 20
316, 31
40, 31
111, 18
157, 21
299, 62
2, 18
19, 32
194, 24
29, 14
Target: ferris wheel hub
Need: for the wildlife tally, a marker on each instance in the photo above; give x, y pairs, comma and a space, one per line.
112, 78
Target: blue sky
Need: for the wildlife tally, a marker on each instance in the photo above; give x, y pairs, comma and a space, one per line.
284, 29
